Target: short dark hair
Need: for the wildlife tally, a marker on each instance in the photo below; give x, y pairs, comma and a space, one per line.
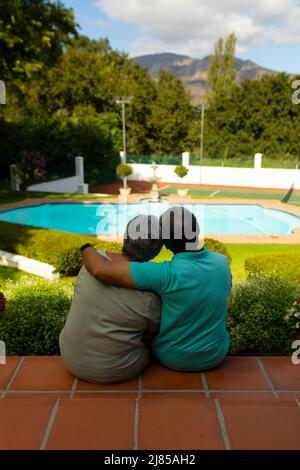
179, 229
142, 238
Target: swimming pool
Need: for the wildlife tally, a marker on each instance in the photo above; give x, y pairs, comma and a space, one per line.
111, 219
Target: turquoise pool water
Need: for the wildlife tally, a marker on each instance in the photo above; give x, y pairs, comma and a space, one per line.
111, 219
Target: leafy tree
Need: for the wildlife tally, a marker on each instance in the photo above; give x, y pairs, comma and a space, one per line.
32, 34
171, 116
222, 68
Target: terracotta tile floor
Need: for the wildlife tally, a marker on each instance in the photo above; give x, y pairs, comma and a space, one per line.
247, 403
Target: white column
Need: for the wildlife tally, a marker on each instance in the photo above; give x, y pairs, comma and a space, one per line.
186, 159
257, 161
14, 180
79, 166
122, 157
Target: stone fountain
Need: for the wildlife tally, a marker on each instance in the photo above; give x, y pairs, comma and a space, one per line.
154, 193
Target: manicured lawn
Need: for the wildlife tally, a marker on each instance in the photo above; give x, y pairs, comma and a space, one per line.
239, 253
7, 196
13, 274
213, 193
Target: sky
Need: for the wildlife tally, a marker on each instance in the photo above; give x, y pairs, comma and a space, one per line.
268, 31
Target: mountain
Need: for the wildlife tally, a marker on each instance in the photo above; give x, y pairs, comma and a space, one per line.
193, 72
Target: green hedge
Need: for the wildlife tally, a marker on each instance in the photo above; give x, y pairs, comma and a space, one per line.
260, 317
35, 315
60, 249
286, 265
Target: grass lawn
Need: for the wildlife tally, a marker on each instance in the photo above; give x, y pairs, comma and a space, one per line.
239, 253
203, 193
7, 195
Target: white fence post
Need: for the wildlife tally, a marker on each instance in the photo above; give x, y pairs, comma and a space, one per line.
257, 161
14, 181
186, 159
79, 165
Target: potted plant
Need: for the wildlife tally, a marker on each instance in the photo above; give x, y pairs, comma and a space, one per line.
181, 171
124, 171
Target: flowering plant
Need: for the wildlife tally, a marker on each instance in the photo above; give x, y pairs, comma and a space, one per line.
293, 313
30, 169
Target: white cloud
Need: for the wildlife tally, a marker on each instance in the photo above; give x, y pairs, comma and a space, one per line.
192, 26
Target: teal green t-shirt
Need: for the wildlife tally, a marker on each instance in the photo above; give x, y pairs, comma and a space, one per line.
194, 288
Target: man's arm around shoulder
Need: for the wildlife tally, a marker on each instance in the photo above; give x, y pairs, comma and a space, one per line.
115, 270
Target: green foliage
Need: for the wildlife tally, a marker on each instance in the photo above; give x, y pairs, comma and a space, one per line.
59, 249
171, 116
285, 265
33, 33
181, 171
30, 169
258, 319
124, 170
222, 68
262, 317
257, 116
60, 138
34, 317
219, 247
69, 107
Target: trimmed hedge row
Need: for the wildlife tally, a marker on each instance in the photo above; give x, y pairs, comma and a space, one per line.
285, 265
61, 249
262, 317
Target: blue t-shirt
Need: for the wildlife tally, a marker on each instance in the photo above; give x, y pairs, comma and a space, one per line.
194, 288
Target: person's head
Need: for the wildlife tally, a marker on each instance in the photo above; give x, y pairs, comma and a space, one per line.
142, 238
179, 230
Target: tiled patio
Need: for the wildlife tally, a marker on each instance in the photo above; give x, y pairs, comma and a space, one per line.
247, 403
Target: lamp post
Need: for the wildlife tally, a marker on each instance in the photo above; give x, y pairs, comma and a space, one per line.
123, 101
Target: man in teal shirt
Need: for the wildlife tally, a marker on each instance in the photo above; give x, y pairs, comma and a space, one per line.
194, 288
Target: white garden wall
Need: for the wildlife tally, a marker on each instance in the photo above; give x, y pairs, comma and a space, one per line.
222, 176
63, 185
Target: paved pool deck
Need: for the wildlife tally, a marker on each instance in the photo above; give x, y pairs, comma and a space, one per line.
246, 403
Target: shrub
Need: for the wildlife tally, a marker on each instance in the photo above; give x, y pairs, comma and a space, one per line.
35, 315
219, 247
286, 265
181, 171
259, 319
2, 304
123, 170
60, 249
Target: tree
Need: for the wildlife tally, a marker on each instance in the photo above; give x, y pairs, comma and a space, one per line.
171, 117
33, 34
222, 68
